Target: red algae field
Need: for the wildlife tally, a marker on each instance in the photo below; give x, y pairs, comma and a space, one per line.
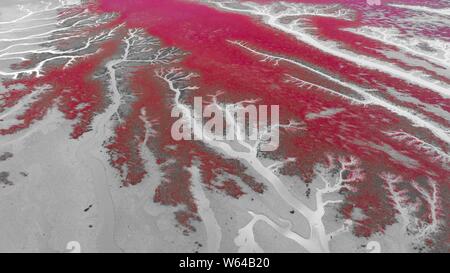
90, 93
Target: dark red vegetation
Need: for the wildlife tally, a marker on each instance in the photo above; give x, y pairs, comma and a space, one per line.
205, 34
